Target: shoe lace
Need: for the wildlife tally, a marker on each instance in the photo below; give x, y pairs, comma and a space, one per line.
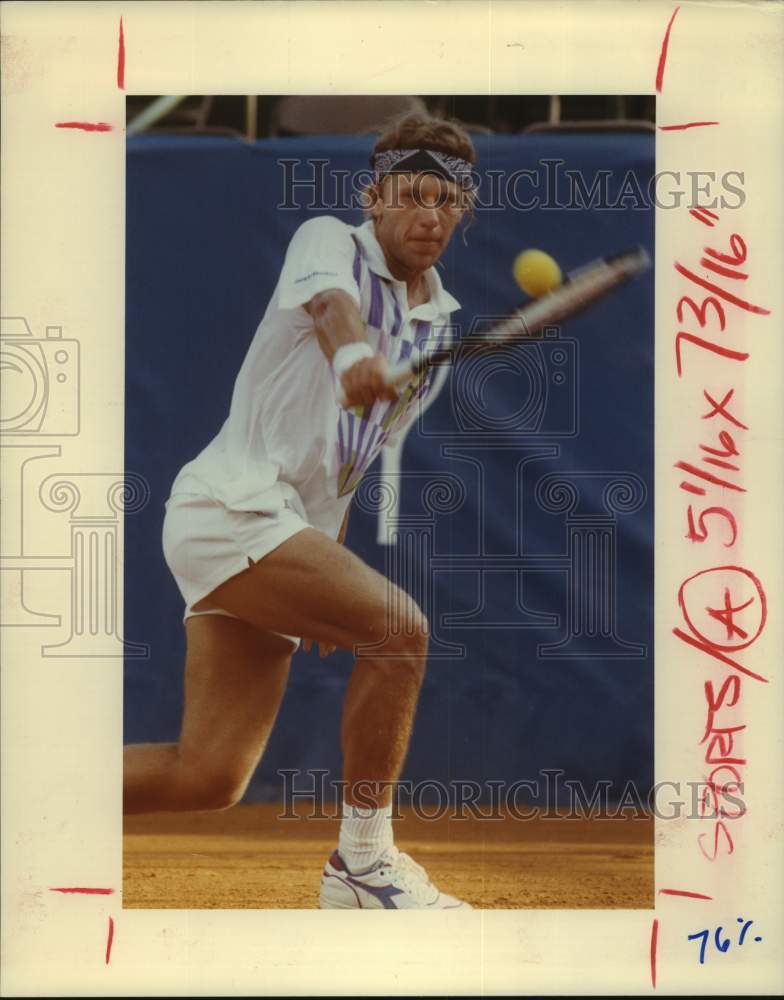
407, 875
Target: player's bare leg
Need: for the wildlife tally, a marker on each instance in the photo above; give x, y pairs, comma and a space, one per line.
378, 714
235, 677
313, 587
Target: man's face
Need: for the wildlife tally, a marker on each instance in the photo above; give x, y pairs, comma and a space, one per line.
415, 216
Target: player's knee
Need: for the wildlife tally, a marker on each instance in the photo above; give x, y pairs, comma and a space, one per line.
220, 794
216, 789
407, 630
395, 628
416, 628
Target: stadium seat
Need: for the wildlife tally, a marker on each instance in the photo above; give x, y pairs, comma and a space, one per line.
606, 125
343, 115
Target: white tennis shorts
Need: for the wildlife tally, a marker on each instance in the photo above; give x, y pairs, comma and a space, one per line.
205, 544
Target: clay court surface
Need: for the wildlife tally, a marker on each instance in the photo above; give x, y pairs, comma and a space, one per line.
248, 858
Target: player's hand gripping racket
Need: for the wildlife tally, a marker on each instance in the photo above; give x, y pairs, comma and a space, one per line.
581, 289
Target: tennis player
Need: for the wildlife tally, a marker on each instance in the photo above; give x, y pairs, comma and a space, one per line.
255, 523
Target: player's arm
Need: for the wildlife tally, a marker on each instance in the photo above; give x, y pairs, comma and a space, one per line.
338, 324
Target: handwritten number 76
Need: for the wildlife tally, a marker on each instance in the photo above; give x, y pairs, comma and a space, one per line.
720, 940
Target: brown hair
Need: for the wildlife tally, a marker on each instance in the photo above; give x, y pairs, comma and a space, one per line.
419, 130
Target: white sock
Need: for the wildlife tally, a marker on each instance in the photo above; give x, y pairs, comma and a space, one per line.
364, 836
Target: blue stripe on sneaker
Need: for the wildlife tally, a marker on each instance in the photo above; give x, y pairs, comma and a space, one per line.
382, 892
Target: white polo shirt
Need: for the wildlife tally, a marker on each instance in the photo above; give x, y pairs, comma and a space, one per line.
286, 438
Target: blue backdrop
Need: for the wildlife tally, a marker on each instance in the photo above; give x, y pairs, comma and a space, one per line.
543, 554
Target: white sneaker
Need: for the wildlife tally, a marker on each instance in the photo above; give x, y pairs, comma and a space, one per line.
395, 882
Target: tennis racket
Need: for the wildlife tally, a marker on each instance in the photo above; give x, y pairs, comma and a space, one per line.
581, 289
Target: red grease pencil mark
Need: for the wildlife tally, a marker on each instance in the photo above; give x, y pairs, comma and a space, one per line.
722, 409
702, 216
654, 941
663, 53
109, 941
741, 303
684, 892
121, 58
712, 651
694, 470
86, 891
725, 272
85, 126
678, 128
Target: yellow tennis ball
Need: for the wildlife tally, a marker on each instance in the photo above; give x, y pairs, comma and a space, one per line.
536, 272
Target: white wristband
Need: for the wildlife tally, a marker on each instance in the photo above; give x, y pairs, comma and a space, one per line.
348, 355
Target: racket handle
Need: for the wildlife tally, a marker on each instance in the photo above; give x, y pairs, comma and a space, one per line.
402, 373
397, 375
